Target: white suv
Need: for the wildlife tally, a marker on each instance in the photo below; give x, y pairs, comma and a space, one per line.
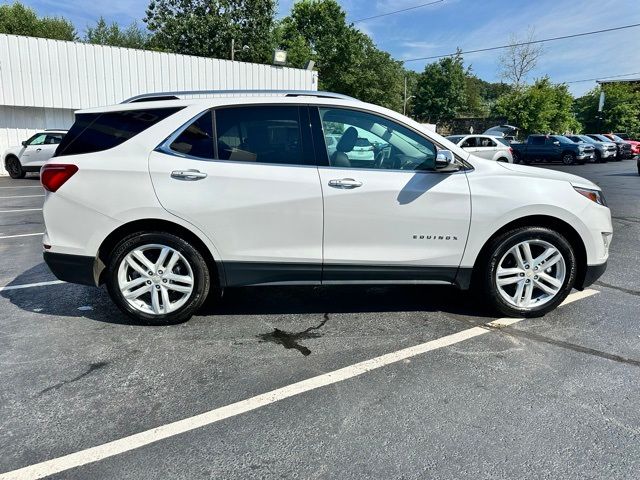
166, 199
32, 153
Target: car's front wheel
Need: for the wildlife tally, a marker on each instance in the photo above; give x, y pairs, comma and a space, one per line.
14, 168
529, 271
157, 278
568, 159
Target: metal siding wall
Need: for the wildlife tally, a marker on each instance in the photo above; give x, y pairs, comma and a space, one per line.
37, 72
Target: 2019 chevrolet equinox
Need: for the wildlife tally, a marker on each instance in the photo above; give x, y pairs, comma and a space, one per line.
164, 199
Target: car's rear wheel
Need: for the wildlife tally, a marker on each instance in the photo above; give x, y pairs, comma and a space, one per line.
14, 168
503, 160
568, 159
529, 271
157, 278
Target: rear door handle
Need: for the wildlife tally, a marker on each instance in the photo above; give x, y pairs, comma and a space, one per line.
38, 149
190, 175
345, 183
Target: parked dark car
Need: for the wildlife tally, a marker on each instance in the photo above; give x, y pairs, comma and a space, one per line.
604, 151
552, 148
624, 149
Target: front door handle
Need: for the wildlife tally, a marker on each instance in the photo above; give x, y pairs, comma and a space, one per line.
190, 175
38, 149
345, 183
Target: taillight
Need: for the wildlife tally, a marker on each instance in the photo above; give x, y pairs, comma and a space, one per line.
54, 175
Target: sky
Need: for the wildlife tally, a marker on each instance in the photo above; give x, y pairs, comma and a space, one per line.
468, 24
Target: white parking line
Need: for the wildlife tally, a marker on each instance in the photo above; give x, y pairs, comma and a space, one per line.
116, 447
22, 196
22, 210
21, 235
26, 186
30, 285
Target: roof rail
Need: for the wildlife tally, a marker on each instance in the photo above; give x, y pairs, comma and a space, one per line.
150, 97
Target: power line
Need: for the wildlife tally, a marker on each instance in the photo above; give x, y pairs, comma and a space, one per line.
525, 43
397, 11
602, 78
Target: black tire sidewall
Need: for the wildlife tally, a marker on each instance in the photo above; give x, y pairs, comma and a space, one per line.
502, 244
19, 172
570, 155
202, 281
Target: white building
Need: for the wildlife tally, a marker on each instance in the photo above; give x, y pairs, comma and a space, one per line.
42, 81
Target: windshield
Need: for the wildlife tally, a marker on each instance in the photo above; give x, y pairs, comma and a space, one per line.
602, 138
503, 141
562, 139
455, 138
617, 138
586, 139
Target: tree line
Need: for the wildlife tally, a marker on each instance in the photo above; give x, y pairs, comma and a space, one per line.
349, 62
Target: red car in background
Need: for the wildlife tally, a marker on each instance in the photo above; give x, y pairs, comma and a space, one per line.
635, 145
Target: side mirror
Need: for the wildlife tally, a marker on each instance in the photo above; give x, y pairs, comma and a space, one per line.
24, 143
445, 160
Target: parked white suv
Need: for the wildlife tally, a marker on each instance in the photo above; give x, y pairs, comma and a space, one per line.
164, 200
485, 146
32, 153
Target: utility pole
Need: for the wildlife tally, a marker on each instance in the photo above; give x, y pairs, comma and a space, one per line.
233, 48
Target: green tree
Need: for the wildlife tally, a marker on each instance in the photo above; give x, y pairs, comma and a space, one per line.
207, 27
347, 60
539, 108
481, 95
16, 19
441, 90
621, 112
112, 34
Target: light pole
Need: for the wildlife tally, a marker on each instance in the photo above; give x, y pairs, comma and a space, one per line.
406, 99
233, 49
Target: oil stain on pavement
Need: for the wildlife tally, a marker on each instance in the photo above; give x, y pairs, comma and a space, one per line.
290, 340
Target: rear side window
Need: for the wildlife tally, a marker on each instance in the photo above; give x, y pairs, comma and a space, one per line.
94, 132
537, 141
197, 139
261, 134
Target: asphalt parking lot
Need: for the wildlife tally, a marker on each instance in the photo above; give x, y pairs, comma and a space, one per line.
555, 397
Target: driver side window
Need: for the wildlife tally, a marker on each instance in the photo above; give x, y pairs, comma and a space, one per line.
364, 140
37, 139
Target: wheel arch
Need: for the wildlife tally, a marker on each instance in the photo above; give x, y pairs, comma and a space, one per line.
546, 221
108, 244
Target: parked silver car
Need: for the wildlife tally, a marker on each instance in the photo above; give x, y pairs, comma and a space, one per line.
604, 150
485, 146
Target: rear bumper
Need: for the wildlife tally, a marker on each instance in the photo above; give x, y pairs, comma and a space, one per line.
72, 268
593, 273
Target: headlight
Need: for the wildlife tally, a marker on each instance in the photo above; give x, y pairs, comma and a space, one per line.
593, 195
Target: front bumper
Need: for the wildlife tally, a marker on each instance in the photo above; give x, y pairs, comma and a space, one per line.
593, 273
73, 268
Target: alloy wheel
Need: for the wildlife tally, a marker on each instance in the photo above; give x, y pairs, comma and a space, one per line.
530, 274
155, 279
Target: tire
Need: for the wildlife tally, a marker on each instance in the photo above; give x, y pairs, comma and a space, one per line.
186, 286
500, 249
503, 160
598, 158
14, 167
568, 158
